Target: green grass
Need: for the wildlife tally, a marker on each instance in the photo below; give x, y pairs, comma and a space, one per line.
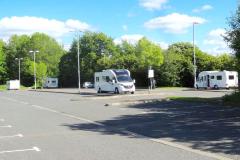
3, 87
198, 99
232, 99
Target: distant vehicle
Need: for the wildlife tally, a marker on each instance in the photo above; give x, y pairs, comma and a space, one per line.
13, 85
88, 85
217, 79
51, 83
114, 80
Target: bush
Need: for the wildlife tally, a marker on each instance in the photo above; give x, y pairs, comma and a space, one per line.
232, 99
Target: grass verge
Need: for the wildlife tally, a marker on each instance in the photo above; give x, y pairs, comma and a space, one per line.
198, 100
232, 99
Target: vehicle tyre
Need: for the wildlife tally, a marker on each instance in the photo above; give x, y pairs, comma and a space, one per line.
132, 92
197, 87
116, 91
99, 90
215, 87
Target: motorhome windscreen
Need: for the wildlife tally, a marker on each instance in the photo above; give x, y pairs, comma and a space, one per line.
122, 76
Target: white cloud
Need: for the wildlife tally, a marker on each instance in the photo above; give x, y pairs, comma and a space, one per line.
29, 25
163, 45
173, 23
203, 8
215, 43
132, 39
152, 4
125, 27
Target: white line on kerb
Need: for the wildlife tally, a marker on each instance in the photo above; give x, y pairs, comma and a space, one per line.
17, 135
21, 150
8, 126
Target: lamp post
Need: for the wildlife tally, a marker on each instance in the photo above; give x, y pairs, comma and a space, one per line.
78, 57
34, 59
194, 56
19, 69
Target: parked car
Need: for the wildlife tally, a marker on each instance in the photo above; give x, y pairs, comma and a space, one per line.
88, 85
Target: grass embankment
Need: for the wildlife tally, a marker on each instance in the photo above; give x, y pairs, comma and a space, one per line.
198, 99
227, 100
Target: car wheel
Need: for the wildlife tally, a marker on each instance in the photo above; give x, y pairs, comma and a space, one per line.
215, 87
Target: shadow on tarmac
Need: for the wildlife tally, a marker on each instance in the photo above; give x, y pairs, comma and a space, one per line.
200, 126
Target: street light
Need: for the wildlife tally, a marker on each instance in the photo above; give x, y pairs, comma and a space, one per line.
194, 55
78, 56
19, 69
34, 57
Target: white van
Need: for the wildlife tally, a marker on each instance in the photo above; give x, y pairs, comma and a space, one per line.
217, 79
114, 80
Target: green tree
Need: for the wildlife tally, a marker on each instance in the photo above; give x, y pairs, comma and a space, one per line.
3, 70
96, 52
148, 53
50, 52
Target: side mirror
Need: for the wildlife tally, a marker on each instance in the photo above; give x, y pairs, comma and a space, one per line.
134, 81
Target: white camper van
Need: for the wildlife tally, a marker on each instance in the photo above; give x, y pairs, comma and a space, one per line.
217, 79
51, 83
114, 80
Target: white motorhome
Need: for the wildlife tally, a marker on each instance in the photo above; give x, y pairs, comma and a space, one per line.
114, 80
51, 83
217, 79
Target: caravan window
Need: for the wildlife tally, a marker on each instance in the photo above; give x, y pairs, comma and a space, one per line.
219, 77
53, 81
231, 77
212, 77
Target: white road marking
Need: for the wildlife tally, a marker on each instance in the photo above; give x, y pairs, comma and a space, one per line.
8, 126
171, 144
66, 114
21, 150
17, 135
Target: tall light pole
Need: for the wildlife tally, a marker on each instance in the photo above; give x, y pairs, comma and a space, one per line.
194, 56
19, 69
34, 59
78, 57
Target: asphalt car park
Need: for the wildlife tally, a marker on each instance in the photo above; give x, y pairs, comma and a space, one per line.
65, 125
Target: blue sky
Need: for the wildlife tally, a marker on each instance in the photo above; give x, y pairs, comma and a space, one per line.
162, 21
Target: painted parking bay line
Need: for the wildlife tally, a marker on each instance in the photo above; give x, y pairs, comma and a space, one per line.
21, 150
13, 136
8, 126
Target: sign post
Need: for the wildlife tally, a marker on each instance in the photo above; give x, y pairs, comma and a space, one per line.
150, 77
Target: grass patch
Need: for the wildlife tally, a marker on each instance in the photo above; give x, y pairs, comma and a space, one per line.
232, 99
3, 87
198, 99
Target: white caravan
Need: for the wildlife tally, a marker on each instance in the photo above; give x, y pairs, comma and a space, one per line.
51, 83
217, 79
13, 85
114, 80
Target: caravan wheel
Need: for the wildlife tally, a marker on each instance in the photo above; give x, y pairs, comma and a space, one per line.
215, 87
99, 90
